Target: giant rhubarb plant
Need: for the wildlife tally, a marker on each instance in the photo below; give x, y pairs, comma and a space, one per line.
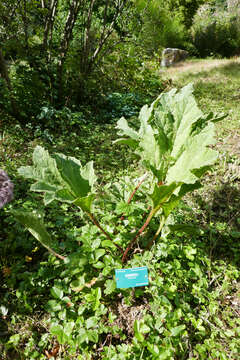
173, 144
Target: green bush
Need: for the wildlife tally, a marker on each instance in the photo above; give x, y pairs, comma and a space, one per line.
216, 32
161, 28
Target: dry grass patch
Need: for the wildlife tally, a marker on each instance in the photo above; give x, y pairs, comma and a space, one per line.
197, 66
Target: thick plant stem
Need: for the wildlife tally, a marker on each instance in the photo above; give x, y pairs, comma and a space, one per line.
149, 218
163, 220
103, 231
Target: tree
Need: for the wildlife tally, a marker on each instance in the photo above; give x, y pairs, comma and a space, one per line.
160, 27
45, 35
186, 9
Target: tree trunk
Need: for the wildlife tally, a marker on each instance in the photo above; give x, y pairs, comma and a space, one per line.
86, 41
49, 22
67, 36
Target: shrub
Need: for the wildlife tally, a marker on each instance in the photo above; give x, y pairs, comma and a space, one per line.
162, 28
216, 32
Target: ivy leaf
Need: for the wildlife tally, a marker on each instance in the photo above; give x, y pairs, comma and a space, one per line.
99, 253
137, 331
177, 330
58, 331
78, 285
68, 328
53, 306
56, 292
110, 287
92, 322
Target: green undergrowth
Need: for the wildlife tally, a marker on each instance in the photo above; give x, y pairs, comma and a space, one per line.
71, 309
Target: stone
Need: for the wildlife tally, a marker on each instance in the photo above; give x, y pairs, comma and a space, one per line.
171, 56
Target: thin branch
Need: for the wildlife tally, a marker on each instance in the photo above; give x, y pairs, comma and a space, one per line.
66, 39
23, 13
5, 75
104, 36
49, 21
87, 36
13, 11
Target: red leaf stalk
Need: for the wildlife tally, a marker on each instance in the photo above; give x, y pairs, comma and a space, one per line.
151, 214
134, 191
103, 231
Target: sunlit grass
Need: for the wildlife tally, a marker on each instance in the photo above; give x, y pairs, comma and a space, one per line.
216, 88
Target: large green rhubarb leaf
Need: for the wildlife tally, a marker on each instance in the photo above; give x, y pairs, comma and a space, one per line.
80, 179
61, 178
173, 137
173, 143
44, 171
196, 156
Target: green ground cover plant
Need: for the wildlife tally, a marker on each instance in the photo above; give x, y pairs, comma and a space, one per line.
70, 308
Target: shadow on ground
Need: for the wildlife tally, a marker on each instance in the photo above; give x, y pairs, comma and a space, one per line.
219, 217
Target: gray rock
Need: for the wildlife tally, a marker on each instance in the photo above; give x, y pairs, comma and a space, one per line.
171, 56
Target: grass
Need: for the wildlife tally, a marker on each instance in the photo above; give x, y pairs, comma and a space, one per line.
216, 88
203, 269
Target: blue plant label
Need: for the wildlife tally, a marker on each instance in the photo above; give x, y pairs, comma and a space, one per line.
127, 278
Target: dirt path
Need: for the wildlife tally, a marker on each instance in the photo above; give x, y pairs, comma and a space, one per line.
197, 66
